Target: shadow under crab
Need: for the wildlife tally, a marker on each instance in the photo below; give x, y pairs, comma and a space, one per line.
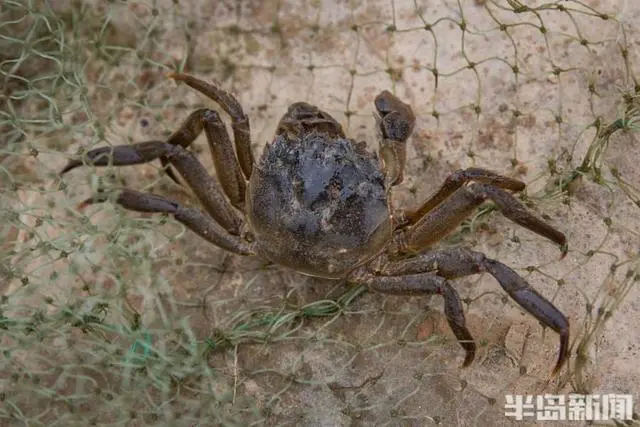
318, 202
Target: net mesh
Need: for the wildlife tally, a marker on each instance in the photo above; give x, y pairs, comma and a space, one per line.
114, 318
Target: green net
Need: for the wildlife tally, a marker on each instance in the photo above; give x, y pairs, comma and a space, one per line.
110, 317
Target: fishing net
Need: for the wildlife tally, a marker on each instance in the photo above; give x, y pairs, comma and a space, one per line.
110, 317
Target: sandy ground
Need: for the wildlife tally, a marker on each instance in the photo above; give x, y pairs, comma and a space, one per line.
385, 360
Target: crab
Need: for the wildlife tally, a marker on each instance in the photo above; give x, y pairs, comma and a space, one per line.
320, 203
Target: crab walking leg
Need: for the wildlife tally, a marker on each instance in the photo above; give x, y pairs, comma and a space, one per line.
428, 284
240, 121
203, 185
221, 148
194, 219
142, 152
441, 220
396, 121
225, 160
457, 180
459, 262
184, 136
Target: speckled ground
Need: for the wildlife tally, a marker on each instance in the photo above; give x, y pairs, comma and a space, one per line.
489, 89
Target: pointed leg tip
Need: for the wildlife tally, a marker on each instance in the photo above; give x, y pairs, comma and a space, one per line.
82, 205
468, 359
100, 197
464, 337
563, 356
564, 249
556, 369
72, 164
470, 349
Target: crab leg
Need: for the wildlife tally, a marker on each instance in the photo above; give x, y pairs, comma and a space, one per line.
199, 180
454, 263
221, 148
428, 284
457, 180
240, 121
442, 219
201, 224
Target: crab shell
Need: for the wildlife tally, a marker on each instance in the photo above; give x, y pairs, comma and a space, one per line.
317, 203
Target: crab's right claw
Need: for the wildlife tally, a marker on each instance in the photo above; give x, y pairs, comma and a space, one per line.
396, 121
